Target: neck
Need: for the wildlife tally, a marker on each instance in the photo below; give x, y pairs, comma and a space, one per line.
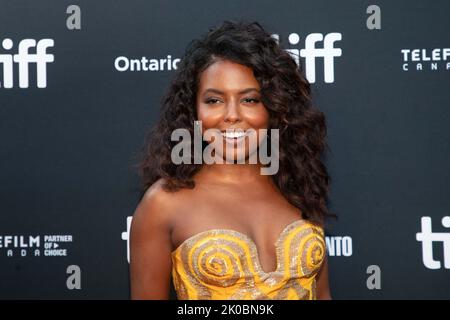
233, 173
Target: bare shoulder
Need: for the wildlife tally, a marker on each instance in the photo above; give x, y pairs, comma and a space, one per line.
157, 206
150, 244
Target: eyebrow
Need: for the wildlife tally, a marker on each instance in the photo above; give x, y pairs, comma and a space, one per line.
221, 92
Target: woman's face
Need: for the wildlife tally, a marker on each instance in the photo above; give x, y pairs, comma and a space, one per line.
229, 98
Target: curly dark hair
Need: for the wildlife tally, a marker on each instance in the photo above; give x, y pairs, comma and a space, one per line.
302, 177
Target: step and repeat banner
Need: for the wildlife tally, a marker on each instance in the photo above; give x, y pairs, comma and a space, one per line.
81, 82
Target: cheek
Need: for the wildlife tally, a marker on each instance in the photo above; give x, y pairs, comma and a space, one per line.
257, 118
210, 118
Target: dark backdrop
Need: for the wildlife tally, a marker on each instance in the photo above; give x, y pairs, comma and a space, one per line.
67, 146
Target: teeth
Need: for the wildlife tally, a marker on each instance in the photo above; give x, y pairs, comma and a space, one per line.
233, 134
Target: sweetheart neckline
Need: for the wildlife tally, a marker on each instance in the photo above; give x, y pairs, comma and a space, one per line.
250, 241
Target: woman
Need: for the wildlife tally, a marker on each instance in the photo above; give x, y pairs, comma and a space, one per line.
224, 230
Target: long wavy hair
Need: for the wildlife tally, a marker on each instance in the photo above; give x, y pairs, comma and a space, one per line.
302, 177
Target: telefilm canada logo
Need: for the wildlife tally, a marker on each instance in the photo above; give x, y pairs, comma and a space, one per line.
316, 46
25, 59
35, 245
425, 59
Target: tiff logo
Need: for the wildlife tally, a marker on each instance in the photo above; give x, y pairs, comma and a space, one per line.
310, 52
126, 236
427, 237
23, 59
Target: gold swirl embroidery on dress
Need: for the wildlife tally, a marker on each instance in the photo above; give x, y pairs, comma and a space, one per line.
224, 264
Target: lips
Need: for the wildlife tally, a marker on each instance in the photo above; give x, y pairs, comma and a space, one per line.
233, 134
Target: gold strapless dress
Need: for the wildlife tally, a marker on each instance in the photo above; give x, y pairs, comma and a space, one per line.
223, 264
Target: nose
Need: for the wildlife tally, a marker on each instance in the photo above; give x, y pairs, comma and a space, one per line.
232, 114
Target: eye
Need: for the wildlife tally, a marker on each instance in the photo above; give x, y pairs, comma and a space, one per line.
211, 101
251, 99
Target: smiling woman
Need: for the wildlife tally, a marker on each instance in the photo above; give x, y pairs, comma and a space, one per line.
224, 230
234, 108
